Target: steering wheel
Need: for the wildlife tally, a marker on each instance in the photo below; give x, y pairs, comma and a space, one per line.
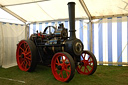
50, 31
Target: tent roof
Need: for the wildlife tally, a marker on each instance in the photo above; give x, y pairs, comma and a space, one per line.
50, 10
102, 8
6, 17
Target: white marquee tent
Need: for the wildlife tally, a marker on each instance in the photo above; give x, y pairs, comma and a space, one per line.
49, 10
36, 11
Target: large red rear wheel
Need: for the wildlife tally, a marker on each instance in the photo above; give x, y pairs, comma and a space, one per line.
63, 66
88, 63
26, 55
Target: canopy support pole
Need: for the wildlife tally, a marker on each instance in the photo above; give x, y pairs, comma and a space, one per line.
90, 37
12, 13
26, 31
85, 9
66, 19
108, 16
90, 23
27, 3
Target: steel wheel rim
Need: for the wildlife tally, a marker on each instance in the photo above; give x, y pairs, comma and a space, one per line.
23, 56
65, 65
86, 64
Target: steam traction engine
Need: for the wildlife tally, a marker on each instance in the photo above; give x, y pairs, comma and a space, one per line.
65, 54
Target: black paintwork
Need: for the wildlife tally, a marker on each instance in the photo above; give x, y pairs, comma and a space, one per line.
58, 41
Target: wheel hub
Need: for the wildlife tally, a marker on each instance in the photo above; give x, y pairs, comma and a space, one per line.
84, 63
22, 55
81, 63
59, 67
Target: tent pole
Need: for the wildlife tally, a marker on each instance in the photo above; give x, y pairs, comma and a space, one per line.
90, 36
90, 23
26, 31
12, 13
85, 9
66, 19
27, 3
108, 16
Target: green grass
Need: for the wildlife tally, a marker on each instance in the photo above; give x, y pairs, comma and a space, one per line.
104, 75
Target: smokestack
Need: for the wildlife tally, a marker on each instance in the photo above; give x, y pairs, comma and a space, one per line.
71, 9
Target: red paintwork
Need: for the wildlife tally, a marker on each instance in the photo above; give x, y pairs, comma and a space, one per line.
59, 74
41, 35
23, 49
87, 64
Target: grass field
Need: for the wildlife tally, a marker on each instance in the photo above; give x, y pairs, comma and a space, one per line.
104, 75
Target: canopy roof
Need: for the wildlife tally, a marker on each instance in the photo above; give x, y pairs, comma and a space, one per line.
6, 17
50, 10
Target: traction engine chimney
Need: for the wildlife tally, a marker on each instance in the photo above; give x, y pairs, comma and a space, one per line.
71, 9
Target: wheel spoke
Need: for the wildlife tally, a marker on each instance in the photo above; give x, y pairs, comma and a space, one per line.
67, 64
26, 48
81, 67
61, 74
28, 58
26, 65
87, 69
67, 70
22, 63
28, 62
27, 53
90, 62
90, 66
89, 57
58, 61
82, 56
62, 58
67, 73
22, 49
84, 69
21, 59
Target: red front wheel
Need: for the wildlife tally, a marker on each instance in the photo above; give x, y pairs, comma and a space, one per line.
63, 66
88, 63
26, 55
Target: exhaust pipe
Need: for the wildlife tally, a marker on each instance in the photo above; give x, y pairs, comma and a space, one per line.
71, 9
